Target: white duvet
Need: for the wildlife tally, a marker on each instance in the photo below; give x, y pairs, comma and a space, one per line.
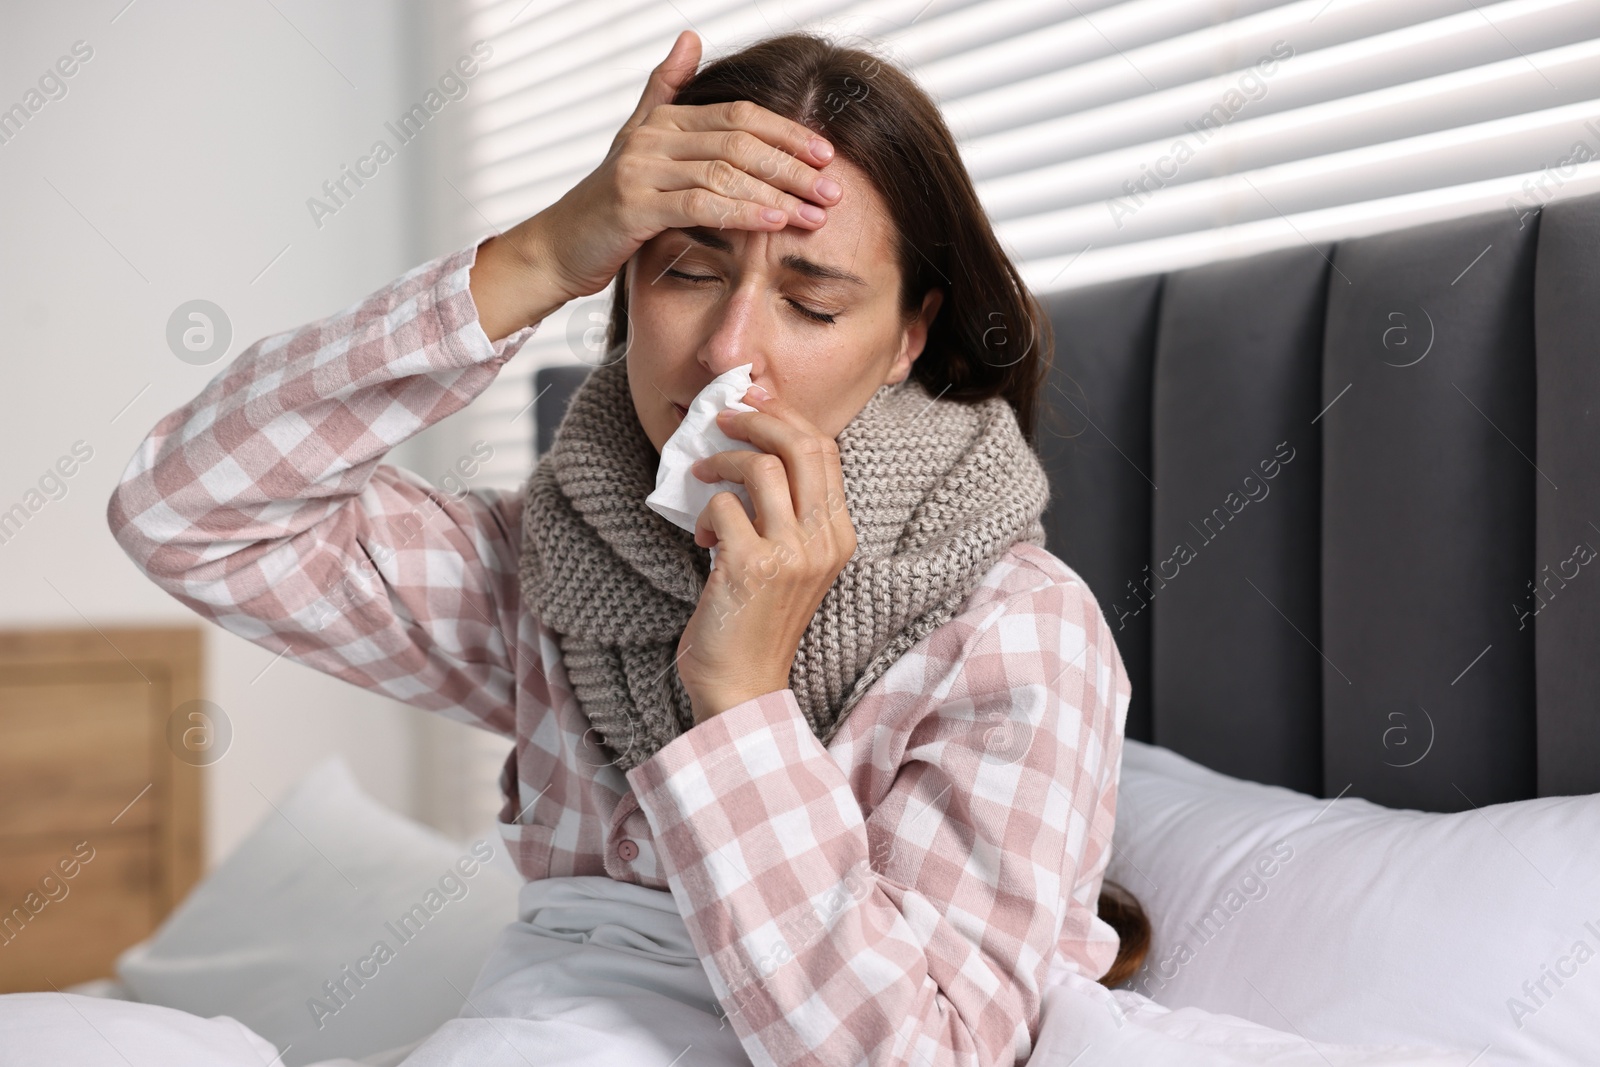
602, 973
1084, 1024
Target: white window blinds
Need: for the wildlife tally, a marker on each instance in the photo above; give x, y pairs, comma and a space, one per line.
1107, 139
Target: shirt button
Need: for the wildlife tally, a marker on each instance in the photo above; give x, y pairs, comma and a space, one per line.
628, 851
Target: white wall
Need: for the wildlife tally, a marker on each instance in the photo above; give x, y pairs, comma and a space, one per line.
178, 166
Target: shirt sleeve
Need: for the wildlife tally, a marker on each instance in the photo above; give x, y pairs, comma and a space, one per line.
919, 932
262, 505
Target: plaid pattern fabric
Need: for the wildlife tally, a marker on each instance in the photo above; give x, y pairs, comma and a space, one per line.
898, 897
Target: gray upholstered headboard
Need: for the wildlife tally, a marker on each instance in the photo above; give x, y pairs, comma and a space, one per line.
1340, 505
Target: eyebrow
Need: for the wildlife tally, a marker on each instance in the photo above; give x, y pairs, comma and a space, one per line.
798, 264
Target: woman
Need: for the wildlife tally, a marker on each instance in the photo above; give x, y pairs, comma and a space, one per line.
868, 763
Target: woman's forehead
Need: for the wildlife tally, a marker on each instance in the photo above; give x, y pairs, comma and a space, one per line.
858, 226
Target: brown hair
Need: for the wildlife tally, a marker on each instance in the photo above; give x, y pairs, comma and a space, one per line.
1122, 911
990, 337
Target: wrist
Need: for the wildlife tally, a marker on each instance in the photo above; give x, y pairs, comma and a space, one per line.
514, 280
708, 704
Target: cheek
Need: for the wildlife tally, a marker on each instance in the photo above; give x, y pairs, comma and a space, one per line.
830, 382
666, 326
648, 405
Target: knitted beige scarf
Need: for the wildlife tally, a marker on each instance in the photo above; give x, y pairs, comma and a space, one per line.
938, 491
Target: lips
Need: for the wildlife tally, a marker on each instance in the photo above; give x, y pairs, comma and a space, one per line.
683, 412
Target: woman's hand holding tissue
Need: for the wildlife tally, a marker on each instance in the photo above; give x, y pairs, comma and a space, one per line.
771, 574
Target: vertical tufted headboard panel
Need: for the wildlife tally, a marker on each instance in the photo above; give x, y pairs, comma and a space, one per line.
1338, 504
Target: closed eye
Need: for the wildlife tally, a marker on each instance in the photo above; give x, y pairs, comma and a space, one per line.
809, 313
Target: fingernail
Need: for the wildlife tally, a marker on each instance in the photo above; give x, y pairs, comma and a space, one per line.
812, 213
821, 149
827, 188
758, 393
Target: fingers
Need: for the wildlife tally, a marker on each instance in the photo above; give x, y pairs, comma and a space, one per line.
743, 151
738, 163
763, 475
798, 470
785, 135
702, 207
681, 61
723, 522
810, 457
734, 185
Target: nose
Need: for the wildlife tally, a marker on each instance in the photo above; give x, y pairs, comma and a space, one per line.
740, 334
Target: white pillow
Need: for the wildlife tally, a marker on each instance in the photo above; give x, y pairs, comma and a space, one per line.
1351, 922
316, 888
77, 1031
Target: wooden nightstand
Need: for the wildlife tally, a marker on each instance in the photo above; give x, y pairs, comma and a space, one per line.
100, 820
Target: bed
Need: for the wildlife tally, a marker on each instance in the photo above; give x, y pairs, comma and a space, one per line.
1338, 504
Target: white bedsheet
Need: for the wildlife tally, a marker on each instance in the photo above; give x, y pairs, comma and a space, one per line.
595, 971
602, 973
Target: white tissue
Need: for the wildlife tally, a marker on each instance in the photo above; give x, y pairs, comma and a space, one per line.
679, 496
